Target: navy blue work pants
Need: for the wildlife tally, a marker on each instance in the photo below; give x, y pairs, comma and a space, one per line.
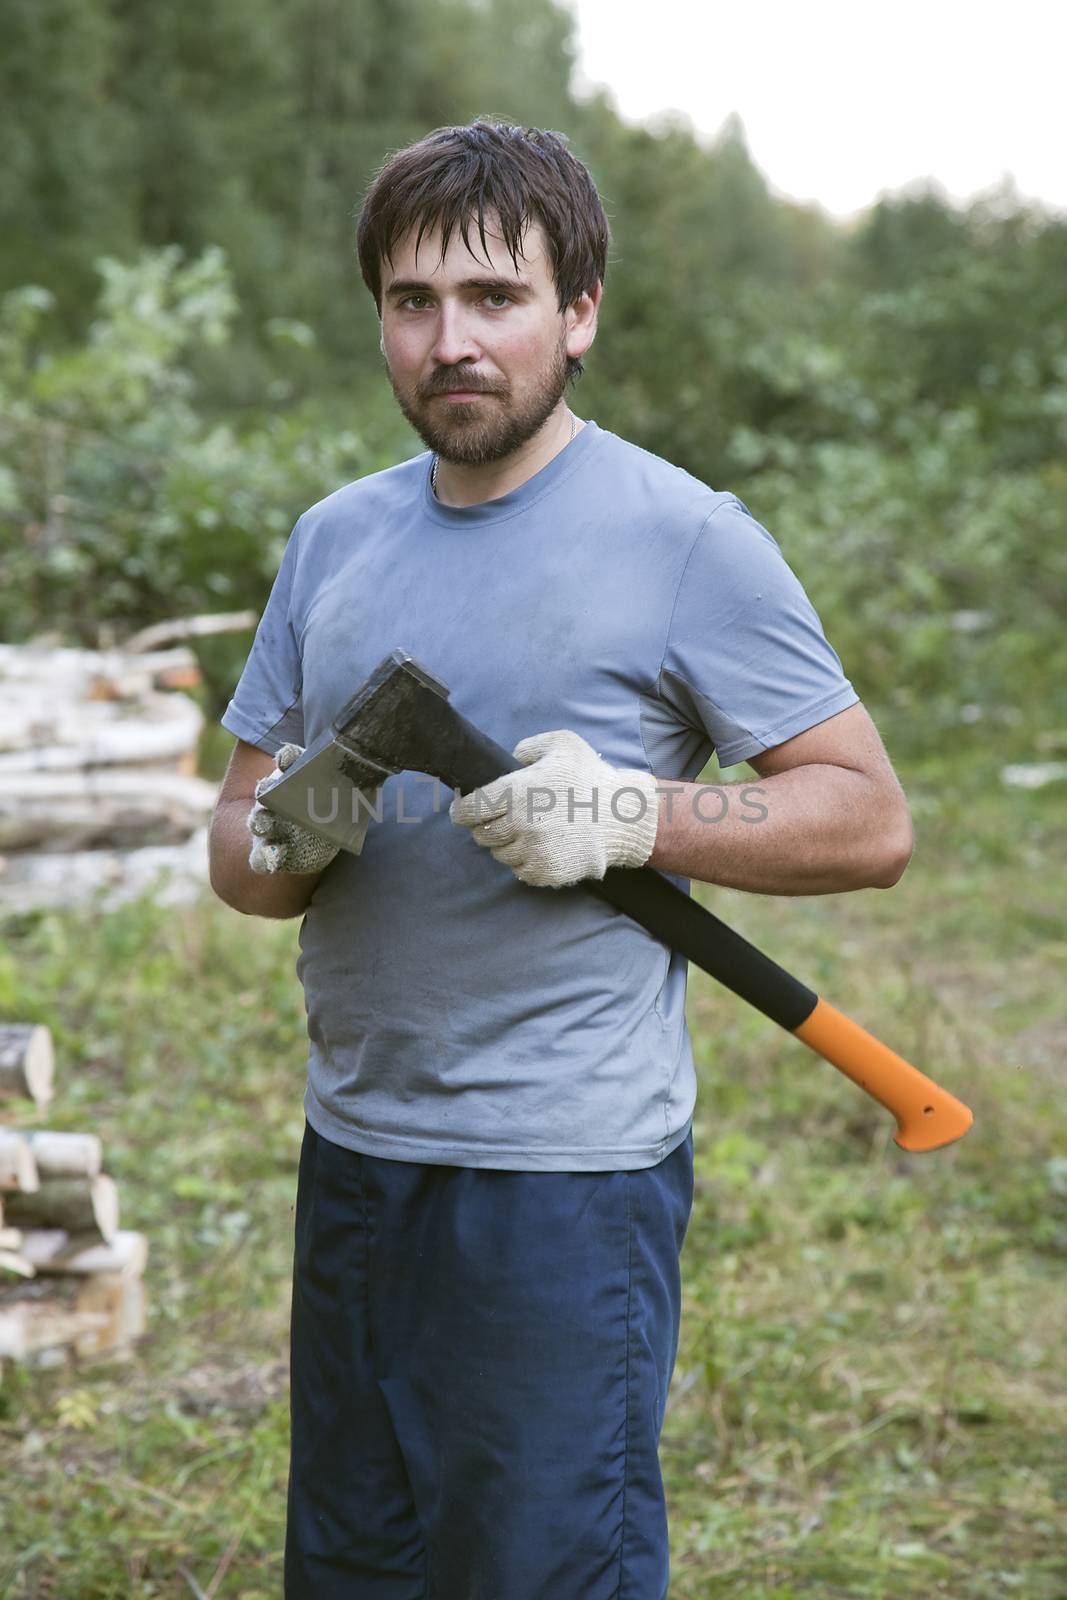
480, 1362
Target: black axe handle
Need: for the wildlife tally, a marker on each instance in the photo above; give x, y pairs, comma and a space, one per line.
465, 758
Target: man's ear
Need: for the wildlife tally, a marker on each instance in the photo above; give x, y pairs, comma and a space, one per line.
581, 321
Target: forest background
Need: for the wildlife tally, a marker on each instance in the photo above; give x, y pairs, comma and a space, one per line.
188, 359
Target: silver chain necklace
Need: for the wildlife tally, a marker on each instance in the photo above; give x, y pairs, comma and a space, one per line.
433, 469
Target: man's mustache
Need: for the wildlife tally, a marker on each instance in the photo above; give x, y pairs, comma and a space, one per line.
462, 388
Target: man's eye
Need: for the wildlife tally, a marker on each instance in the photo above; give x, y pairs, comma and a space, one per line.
497, 294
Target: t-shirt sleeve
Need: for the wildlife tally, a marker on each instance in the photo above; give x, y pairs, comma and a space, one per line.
746, 659
266, 709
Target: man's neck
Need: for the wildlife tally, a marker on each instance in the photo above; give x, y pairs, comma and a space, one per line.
457, 485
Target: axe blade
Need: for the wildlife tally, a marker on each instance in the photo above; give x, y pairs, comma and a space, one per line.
333, 788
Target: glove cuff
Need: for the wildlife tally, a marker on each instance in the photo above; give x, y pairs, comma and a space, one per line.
633, 818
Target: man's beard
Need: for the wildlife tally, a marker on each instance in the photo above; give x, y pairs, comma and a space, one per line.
491, 429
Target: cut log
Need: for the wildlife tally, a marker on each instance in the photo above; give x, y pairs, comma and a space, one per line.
18, 1169
160, 633
128, 677
101, 807
46, 671
11, 1239
88, 1206
73, 758
60, 735
30, 1325
171, 873
120, 1302
26, 1062
53, 1251
14, 1262
65, 1155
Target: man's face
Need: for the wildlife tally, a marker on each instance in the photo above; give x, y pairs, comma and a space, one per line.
476, 352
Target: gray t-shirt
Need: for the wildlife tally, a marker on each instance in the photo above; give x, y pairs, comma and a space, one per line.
455, 1014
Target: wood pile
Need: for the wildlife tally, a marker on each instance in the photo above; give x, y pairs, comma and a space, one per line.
98, 768
70, 1278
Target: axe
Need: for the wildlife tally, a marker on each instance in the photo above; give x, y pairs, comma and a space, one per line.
400, 720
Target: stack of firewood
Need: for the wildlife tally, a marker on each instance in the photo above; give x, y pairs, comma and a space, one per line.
70, 1278
98, 764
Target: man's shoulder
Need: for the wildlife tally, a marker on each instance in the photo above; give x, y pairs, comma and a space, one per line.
707, 532
619, 453
370, 489
657, 489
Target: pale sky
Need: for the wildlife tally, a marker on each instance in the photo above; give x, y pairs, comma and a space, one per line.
841, 101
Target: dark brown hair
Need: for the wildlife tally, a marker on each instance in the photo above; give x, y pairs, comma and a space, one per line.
521, 174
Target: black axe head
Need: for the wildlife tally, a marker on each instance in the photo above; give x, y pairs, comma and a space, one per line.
393, 722
399, 720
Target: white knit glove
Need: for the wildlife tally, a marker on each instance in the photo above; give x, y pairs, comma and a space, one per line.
279, 845
566, 815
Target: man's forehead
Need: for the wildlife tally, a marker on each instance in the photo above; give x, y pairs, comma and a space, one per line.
460, 259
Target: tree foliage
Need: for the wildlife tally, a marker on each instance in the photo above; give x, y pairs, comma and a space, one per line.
188, 356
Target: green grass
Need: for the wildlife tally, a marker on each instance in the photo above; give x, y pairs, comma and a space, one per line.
868, 1400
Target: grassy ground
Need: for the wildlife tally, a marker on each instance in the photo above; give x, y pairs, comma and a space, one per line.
868, 1400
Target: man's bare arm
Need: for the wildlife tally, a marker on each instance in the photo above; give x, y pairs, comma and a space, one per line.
827, 814
275, 894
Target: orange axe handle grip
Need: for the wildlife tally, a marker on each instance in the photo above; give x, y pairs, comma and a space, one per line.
927, 1115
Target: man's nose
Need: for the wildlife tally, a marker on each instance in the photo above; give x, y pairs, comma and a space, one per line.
455, 341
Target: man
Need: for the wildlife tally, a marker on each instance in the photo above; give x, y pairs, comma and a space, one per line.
496, 1174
